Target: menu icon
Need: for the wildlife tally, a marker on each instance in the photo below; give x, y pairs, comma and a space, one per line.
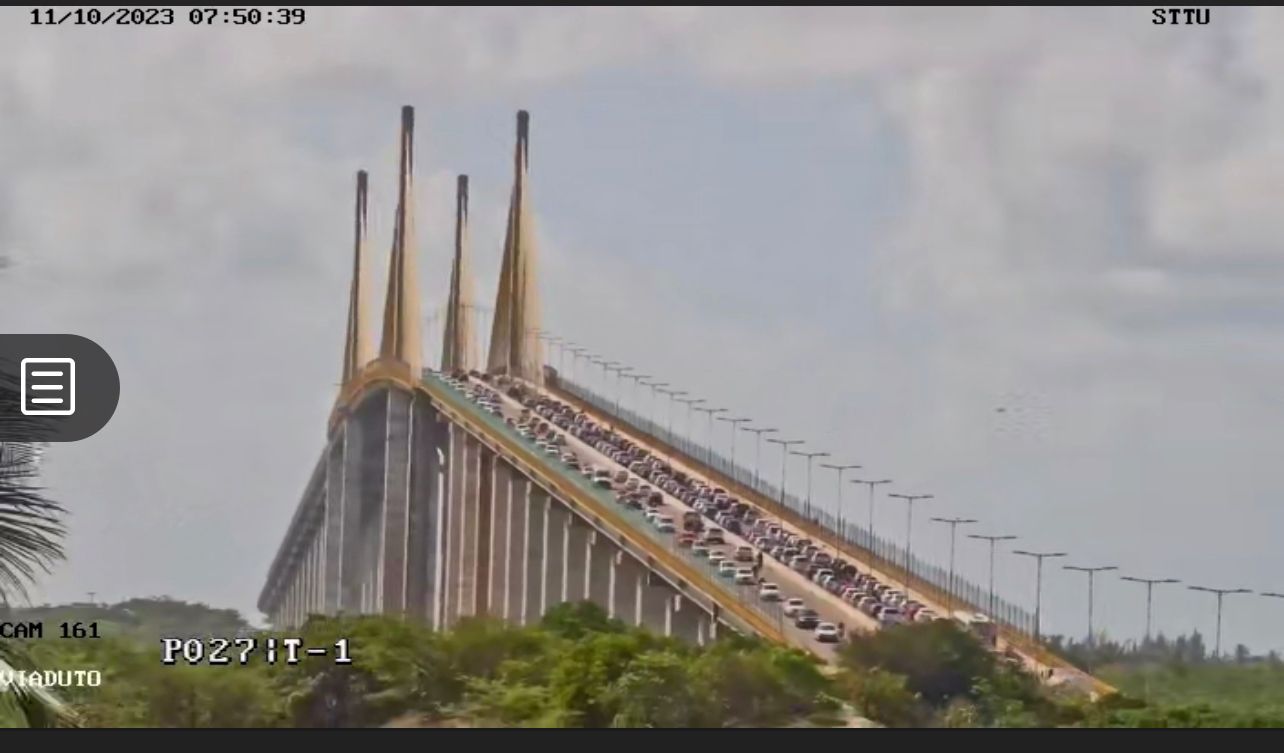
48, 386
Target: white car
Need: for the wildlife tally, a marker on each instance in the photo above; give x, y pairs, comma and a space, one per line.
716, 557
651, 514
792, 607
891, 616
727, 569
827, 632
744, 576
664, 524
769, 592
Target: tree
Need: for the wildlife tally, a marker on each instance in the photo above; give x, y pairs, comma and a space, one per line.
31, 532
938, 660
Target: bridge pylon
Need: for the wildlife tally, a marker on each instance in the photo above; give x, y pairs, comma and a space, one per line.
458, 343
401, 346
515, 347
357, 347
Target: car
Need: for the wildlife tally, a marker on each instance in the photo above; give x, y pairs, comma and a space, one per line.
714, 536
745, 576
821, 575
726, 569
551, 449
807, 619
686, 540
769, 592
716, 557
866, 604
891, 616
924, 615
664, 524
744, 554
650, 515
587, 470
699, 550
798, 564
604, 483
827, 632
793, 606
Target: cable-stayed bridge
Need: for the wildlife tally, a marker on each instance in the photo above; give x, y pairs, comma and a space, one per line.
432, 499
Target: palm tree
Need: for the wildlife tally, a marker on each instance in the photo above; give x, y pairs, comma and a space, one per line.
31, 534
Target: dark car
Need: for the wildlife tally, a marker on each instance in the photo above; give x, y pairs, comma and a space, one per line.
807, 619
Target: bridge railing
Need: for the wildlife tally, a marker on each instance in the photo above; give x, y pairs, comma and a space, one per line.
745, 595
884, 554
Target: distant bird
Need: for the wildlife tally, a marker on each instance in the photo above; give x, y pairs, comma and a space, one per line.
1000, 410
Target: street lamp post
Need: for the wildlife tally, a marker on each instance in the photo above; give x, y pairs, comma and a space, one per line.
810, 457
636, 379
674, 396
1092, 572
1221, 592
785, 444
873, 542
1150, 590
953, 523
655, 387
577, 353
708, 454
690, 402
621, 371
1038, 582
992, 540
757, 448
910, 499
735, 424
842, 529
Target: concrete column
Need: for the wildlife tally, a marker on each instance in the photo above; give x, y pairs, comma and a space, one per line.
627, 575
395, 535
656, 603
424, 511
456, 463
485, 526
601, 554
577, 560
515, 550
534, 574
334, 519
469, 488
555, 540
496, 584
687, 618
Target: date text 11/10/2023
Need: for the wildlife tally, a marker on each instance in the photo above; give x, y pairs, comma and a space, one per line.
248, 650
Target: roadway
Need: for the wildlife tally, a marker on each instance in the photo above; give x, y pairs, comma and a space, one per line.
792, 584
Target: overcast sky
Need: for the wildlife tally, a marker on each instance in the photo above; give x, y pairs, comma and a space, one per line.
869, 227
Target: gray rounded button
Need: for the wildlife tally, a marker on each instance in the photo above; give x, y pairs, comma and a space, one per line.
55, 388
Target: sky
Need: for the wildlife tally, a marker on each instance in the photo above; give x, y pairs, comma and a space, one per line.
869, 227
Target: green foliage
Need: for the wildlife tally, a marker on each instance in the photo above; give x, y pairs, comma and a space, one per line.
576, 669
885, 697
1240, 692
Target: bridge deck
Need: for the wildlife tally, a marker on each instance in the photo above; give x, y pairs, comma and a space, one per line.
597, 507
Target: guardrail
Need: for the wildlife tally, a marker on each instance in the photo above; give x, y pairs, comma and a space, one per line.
765, 618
